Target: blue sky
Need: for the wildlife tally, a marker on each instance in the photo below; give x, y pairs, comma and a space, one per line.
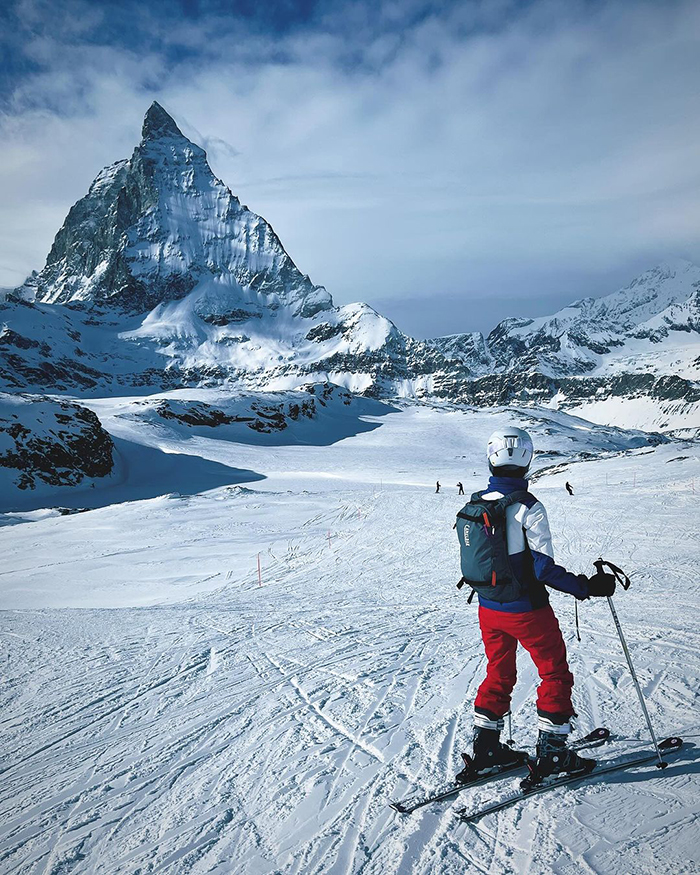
450, 163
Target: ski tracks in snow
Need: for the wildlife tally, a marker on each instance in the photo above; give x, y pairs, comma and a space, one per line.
264, 729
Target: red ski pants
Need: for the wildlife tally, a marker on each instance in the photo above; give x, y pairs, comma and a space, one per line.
538, 632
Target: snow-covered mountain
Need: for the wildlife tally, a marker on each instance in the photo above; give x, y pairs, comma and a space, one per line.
631, 357
161, 279
266, 566
650, 326
160, 224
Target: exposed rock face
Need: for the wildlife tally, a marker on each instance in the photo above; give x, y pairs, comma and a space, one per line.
264, 415
51, 443
193, 413
154, 226
470, 350
534, 387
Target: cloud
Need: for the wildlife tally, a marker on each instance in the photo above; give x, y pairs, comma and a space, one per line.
407, 151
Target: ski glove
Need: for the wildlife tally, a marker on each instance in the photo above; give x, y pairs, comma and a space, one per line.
601, 584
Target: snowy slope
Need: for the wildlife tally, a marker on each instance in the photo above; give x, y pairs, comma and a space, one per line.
169, 707
164, 712
50, 450
319, 414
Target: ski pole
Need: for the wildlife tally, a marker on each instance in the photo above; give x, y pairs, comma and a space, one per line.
624, 581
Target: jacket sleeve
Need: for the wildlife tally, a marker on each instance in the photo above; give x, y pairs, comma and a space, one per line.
539, 539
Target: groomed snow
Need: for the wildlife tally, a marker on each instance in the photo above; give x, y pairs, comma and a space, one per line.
164, 712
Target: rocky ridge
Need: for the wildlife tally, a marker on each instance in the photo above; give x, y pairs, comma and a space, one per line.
599, 335
51, 444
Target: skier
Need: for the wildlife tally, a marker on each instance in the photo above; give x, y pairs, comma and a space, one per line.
526, 618
437, 487
460, 488
569, 488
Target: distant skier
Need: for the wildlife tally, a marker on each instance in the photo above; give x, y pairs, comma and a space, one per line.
460, 488
437, 487
569, 488
514, 607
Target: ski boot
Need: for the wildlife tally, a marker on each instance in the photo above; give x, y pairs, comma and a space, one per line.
490, 755
554, 758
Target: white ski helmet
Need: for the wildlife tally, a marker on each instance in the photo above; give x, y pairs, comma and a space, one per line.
510, 448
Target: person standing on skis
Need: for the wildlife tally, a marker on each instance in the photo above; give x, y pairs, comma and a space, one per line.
523, 614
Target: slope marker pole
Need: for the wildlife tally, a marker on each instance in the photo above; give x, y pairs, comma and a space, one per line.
259, 572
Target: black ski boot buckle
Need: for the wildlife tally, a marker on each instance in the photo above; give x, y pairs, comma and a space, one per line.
468, 773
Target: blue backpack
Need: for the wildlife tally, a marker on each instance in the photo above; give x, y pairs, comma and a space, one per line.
481, 529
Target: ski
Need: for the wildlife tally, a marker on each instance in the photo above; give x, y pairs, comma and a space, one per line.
669, 746
407, 806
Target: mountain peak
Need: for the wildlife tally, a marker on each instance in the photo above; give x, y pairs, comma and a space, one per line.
155, 226
158, 123
675, 265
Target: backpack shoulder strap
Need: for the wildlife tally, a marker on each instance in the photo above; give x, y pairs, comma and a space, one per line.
500, 505
470, 512
520, 495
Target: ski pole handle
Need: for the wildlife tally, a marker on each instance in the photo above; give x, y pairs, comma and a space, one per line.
617, 573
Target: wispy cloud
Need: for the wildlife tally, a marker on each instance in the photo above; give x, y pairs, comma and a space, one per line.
402, 151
